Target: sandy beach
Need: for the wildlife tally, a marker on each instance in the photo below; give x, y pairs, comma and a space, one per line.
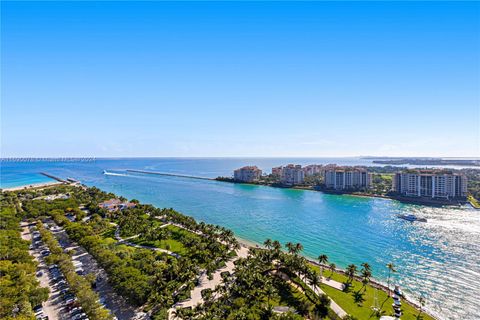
33, 186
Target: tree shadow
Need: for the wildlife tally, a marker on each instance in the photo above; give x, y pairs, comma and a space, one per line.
358, 297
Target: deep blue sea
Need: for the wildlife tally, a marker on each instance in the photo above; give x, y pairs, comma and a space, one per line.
439, 259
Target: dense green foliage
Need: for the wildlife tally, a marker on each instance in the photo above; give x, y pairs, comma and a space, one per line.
19, 289
268, 277
141, 275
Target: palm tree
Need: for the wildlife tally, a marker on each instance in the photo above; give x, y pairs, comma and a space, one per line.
351, 270
366, 274
314, 280
322, 260
332, 267
268, 243
298, 247
422, 301
391, 268
366, 266
276, 245
290, 247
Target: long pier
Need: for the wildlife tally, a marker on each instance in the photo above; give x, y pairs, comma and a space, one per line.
169, 174
53, 177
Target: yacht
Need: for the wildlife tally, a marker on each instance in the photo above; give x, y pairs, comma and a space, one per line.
411, 217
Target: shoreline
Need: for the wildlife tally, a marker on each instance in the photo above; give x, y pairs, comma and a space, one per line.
252, 244
32, 186
421, 201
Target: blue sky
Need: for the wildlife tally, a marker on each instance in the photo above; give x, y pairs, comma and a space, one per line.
240, 79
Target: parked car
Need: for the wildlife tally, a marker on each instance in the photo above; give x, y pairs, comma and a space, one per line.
79, 316
64, 292
39, 273
38, 309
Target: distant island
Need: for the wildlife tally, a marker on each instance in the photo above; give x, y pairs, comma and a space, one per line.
425, 161
422, 186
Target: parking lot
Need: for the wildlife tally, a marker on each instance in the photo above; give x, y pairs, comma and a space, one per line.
54, 307
85, 263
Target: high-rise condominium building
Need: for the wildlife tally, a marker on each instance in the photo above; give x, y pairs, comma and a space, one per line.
247, 174
292, 175
312, 169
347, 178
430, 183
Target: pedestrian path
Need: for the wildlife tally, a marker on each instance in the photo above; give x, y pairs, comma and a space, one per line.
332, 283
131, 244
333, 305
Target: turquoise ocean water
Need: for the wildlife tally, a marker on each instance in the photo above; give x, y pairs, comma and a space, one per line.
438, 259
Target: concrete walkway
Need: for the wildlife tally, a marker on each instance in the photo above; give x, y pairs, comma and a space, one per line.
332, 283
333, 305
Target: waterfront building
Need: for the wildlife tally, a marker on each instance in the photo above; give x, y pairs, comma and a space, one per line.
247, 174
292, 175
347, 178
312, 170
277, 171
439, 184
115, 205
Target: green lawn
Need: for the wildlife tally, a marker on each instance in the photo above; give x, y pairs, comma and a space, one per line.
173, 243
179, 233
168, 244
364, 311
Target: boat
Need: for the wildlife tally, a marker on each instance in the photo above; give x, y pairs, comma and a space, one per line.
411, 217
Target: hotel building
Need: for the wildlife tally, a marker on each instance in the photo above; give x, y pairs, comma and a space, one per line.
247, 174
430, 183
277, 171
312, 169
292, 175
347, 178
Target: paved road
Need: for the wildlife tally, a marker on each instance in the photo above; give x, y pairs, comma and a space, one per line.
117, 304
52, 308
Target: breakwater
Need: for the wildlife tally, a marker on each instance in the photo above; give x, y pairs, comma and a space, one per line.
53, 177
169, 174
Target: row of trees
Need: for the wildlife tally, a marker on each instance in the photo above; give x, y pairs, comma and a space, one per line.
259, 280
80, 286
19, 289
142, 276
